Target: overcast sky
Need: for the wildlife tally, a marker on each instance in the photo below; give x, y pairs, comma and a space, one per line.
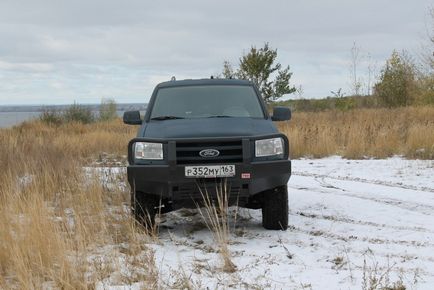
57, 52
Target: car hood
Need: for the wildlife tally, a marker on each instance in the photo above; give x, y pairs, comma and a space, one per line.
209, 127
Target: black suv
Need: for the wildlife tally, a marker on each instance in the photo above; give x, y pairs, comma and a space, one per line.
197, 134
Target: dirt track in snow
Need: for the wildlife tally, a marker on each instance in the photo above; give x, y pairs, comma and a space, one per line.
342, 224
348, 219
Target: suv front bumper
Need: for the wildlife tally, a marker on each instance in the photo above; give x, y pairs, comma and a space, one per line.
167, 179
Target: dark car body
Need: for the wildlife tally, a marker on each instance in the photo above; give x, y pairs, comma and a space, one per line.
186, 140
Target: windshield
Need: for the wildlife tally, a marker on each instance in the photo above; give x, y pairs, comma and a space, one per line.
210, 101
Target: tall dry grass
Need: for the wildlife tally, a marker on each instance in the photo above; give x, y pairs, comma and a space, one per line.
61, 226
360, 133
215, 214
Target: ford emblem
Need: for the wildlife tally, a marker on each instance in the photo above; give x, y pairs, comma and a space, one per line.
208, 153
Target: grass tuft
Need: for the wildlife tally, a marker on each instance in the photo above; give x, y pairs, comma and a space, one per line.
215, 215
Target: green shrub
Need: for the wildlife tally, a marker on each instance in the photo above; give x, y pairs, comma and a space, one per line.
345, 104
78, 113
51, 116
107, 110
424, 93
397, 80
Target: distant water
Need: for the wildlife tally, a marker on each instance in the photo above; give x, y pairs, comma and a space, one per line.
9, 119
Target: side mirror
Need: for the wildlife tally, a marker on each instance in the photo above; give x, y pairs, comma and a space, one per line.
132, 118
281, 114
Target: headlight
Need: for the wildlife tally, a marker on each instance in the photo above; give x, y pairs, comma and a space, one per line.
269, 147
146, 150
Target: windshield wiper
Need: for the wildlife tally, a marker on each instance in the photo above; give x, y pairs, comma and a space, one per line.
166, 118
220, 116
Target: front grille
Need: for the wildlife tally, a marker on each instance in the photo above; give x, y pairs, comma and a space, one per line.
204, 188
187, 152
190, 191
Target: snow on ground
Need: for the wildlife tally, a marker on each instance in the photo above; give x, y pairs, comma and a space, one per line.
348, 220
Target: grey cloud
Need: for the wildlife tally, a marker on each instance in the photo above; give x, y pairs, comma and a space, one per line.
85, 49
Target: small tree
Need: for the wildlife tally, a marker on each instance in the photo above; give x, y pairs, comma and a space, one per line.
107, 110
51, 116
259, 66
228, 71
431, 38
78, 113
356, 83
428, 47
396, 81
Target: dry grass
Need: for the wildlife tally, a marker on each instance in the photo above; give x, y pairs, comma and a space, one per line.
362, 133
60, 226
79, 140
215, 215
375, 277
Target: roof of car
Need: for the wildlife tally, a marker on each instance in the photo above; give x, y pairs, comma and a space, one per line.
196, 82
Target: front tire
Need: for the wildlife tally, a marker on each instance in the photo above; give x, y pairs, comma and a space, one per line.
275, 209
143, 207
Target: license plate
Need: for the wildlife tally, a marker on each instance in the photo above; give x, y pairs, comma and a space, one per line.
210, 171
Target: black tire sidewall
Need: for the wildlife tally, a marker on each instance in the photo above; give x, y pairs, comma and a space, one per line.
143, 208
275, 209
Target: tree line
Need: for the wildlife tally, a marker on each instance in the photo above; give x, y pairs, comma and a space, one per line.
402, 80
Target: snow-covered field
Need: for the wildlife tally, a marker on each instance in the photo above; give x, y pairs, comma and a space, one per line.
351, 221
